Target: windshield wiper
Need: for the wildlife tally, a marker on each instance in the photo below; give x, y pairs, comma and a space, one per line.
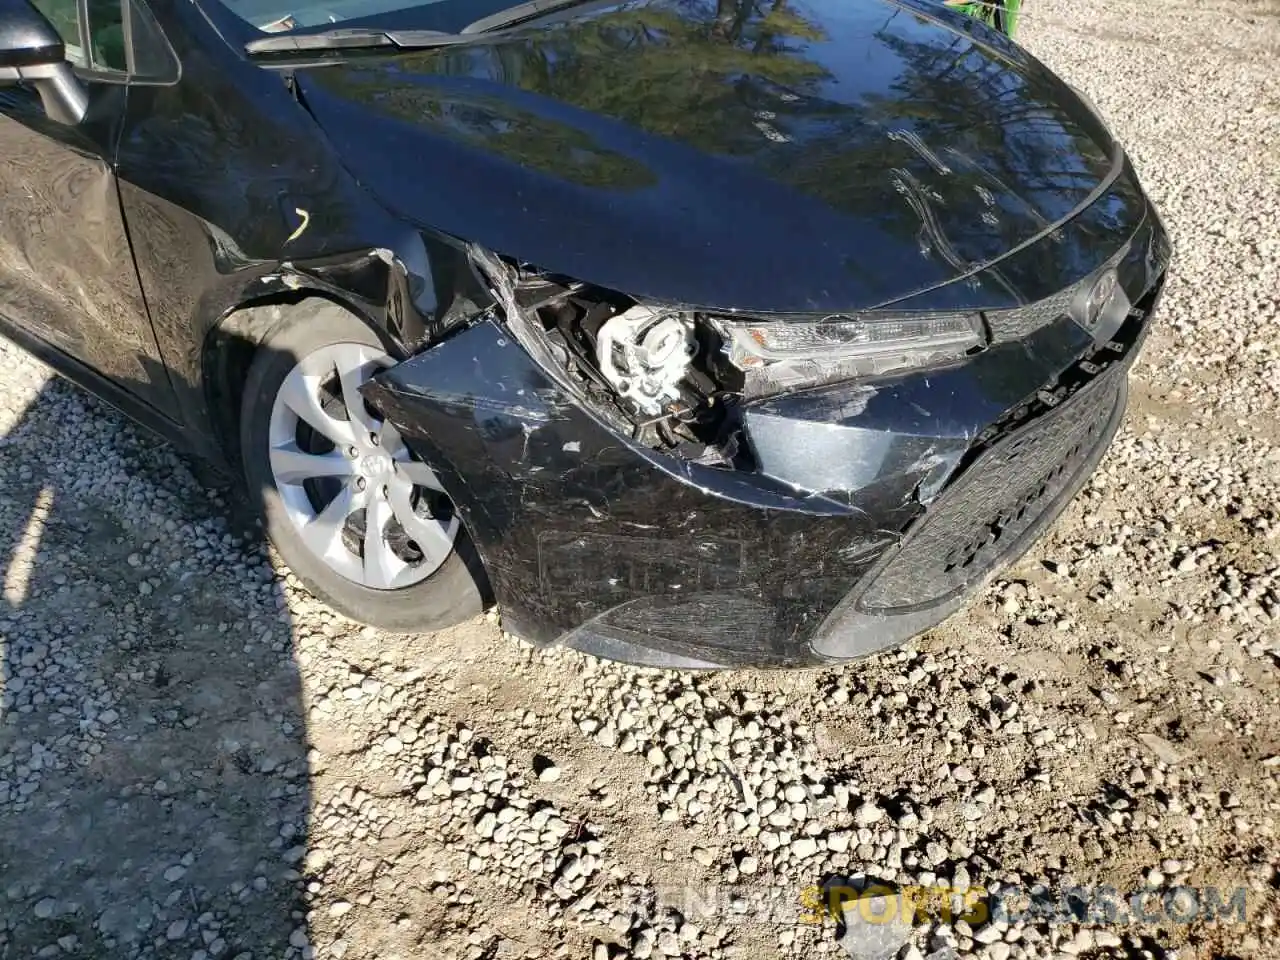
363, 38
350, 38
517, 14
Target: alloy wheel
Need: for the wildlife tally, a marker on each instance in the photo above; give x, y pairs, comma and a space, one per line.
359, 499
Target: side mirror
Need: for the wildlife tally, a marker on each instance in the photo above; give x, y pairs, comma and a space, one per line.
32, 51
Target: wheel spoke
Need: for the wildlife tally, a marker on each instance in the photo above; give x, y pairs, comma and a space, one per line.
433, 539
325, 530
351, 379
371, 487
301, 394
291, 465
391, 442
381, 565
419, 474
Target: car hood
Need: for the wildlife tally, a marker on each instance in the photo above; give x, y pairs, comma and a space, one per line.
793, 156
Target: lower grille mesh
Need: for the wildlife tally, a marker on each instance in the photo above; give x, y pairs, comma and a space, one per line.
1019, 322
984, 515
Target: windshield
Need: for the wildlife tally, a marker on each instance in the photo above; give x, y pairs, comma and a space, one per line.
278, 16
448, 16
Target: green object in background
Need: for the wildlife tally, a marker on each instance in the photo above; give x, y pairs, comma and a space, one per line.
1000, 15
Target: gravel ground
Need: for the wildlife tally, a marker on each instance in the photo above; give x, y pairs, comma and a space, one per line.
198, 761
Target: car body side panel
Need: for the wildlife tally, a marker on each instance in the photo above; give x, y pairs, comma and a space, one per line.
66, 276
233, 195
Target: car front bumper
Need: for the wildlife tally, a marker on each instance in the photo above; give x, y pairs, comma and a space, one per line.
875, 510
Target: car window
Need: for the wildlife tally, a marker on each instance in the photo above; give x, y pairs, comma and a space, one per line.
108, 49
153, 58
106, 36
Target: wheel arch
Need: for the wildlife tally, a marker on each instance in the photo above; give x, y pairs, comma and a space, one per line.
232, 343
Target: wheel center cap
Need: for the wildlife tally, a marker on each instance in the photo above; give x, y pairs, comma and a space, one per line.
375, 464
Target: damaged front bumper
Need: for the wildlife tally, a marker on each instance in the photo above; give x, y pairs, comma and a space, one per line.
872, 511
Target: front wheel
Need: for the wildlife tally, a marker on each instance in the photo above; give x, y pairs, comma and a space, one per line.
364, 524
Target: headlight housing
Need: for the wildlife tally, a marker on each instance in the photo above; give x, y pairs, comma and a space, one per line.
778, 355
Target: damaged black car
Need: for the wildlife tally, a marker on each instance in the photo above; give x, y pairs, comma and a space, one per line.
693, 333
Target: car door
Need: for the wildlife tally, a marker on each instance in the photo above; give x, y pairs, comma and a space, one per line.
67, 276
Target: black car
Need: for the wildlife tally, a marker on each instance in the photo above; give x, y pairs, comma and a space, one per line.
693, 332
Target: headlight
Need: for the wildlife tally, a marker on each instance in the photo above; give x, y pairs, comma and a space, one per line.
630, 343
777, 355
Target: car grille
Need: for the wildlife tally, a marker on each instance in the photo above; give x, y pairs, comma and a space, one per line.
1019, 322
993, 509
1023, 472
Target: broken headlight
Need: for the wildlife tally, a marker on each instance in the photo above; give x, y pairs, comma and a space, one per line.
779, 355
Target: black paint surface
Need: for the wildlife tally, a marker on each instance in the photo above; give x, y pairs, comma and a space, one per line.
806, 157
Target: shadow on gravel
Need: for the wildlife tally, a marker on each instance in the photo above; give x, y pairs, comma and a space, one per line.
153, 756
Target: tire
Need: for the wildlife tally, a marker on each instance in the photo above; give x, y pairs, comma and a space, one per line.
310, 334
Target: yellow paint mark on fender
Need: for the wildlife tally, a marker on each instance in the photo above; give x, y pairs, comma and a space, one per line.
306, 219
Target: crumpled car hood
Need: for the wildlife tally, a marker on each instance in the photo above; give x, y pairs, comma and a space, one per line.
823, 155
